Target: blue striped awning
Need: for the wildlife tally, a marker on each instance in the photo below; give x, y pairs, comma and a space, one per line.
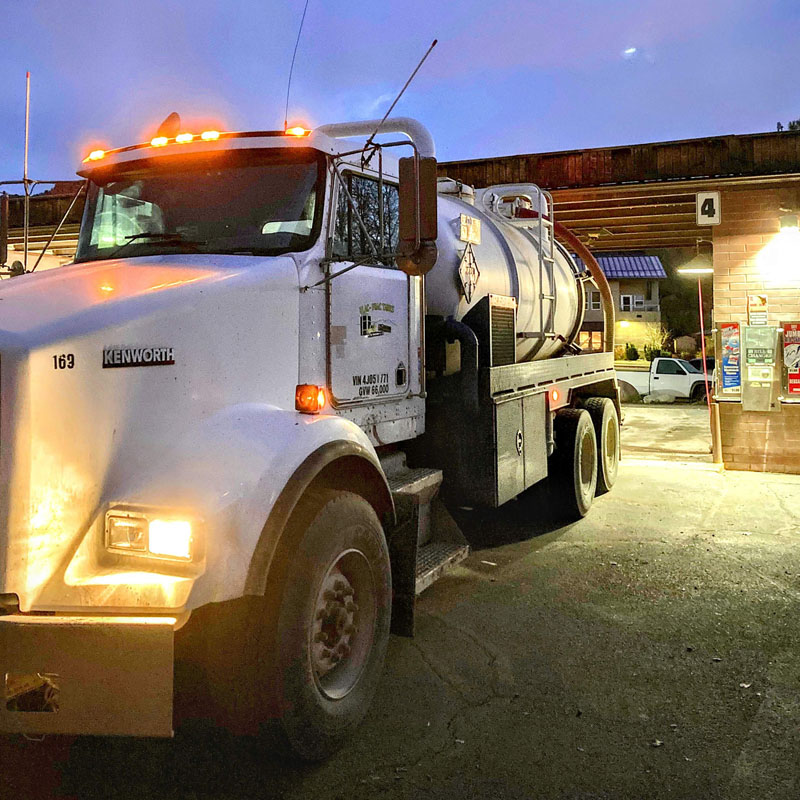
628, 265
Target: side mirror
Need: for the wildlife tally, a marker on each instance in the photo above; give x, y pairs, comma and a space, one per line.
417, 251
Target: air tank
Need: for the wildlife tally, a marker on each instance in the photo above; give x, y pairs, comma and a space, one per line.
514, 254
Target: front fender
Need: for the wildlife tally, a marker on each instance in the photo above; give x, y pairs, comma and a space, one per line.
229, 471
243, 463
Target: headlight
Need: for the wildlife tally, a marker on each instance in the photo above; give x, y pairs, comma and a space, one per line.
144, 534
126, 533
171, 538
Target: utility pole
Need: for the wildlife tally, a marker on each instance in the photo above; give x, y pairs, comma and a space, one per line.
26, 222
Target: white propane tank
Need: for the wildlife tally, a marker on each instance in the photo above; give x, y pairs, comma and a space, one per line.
508, 262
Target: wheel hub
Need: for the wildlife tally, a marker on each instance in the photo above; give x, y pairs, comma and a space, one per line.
335, 623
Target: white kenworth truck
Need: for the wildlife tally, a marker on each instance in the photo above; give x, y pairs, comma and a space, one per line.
230, 430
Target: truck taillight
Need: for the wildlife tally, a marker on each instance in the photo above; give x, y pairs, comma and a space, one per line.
309, 398
557, 398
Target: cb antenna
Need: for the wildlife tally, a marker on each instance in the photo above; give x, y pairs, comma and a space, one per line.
291, 68
405, 86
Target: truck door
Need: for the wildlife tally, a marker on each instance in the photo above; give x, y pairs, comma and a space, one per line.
369, 306
670, 377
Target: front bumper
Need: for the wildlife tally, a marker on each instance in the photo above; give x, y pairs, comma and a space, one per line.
86, 675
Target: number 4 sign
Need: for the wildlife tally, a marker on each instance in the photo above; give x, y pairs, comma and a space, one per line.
708, 208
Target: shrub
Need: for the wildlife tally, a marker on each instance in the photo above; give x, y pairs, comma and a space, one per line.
652, 352
631, 353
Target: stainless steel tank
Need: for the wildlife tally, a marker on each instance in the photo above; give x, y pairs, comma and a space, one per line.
512, 258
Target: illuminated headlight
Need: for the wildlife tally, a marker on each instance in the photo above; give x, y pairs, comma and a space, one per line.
171, 538
137, 533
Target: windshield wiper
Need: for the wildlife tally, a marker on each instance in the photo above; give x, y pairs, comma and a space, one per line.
167, 238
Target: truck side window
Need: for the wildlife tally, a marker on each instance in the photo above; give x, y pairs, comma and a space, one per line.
666, 367
349, 239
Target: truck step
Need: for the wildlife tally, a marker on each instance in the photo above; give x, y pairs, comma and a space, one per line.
420, 481
435, 558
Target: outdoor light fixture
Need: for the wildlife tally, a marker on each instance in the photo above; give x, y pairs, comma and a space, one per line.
779, 260
699, 265
623, 323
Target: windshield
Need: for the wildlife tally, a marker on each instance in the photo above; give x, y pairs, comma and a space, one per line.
688, 367
256, 202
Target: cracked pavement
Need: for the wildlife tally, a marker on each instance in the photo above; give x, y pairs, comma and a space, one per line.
647, 651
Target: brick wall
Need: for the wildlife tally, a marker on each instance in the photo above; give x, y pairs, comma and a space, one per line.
762, 441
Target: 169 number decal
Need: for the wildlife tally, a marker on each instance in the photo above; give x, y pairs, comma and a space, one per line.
64, 361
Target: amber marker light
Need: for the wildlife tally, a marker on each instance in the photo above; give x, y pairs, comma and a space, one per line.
184, 138
95, 155
209, 136
309, 398
297, 130
159, 141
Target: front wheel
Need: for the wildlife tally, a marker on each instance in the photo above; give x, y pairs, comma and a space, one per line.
699, 393
333, 623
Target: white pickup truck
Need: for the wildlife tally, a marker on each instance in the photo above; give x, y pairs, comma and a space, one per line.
666, 376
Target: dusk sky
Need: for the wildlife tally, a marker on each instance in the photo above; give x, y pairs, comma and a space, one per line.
507, 76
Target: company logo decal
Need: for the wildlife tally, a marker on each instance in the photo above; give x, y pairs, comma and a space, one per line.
138, 357
375, 326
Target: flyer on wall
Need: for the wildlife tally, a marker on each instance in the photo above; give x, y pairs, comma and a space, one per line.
791, 356
731, 358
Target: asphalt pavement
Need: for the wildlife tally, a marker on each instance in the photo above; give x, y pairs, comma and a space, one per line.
648, 651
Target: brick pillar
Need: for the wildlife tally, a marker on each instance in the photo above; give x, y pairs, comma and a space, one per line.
763, 441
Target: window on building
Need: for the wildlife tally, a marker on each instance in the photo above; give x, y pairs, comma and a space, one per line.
667, 367
638, 301
626, 302
349, 239
592, 301
590, 341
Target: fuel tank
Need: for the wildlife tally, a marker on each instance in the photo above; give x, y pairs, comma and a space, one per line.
513, 253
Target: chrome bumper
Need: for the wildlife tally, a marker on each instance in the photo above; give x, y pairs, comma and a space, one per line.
86, 675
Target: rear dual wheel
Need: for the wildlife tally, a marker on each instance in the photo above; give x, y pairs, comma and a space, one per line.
606, 428
574, 467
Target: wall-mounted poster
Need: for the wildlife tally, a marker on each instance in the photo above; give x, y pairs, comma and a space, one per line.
731, 358
791, 356
756, 309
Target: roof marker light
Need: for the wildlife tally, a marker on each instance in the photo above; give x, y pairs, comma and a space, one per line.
297, 130
184, 138
96, 155
159, 141
209, 136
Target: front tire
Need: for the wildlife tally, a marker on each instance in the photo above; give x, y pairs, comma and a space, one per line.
333, 623
575, 461
699, 393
